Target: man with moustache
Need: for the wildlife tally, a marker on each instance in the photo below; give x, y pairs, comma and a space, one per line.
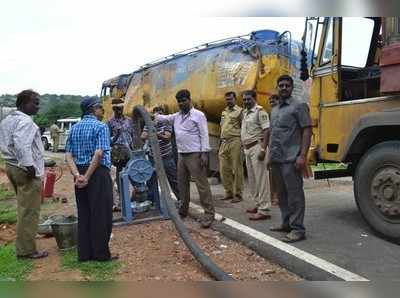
254, 135
289, 143
230, 152
191, 133
22, 150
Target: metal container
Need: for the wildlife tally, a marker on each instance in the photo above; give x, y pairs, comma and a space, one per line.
65, 230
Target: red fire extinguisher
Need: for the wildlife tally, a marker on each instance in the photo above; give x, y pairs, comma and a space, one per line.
49, 182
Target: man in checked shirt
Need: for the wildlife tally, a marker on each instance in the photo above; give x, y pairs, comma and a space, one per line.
191, 133
89, 159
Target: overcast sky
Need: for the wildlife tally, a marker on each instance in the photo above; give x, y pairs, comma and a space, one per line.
71, 47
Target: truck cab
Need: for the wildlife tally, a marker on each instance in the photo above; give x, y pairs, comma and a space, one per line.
355, 110
114, 87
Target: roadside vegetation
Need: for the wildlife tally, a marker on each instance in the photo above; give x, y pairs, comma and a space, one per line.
52, 107
11, 268
8, 211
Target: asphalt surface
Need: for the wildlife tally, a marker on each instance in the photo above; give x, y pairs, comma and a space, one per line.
336, 233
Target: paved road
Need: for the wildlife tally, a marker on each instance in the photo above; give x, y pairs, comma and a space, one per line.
335, 230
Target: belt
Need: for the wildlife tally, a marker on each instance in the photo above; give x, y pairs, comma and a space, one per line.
227, 140
252, 144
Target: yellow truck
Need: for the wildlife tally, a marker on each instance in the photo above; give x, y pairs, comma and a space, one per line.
353, 93
355, 110
209, 71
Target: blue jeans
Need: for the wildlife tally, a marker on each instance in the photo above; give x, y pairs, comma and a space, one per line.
170, 170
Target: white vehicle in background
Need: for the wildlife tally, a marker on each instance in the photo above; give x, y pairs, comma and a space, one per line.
65, 126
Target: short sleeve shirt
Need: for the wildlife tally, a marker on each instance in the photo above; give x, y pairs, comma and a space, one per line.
231, 122
254, 122
287, 122
165, 145
85, 138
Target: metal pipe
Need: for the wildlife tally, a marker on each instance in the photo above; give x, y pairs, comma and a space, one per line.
201, 257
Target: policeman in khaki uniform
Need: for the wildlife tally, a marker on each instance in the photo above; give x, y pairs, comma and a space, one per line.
230, 155
254, 135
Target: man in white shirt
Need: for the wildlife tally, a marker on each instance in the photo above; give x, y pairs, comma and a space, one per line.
22, 149
191, 133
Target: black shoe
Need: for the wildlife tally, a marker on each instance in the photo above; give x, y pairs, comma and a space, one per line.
182, 214
206, 221
280, 229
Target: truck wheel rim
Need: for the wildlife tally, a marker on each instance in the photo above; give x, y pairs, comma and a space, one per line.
385, 190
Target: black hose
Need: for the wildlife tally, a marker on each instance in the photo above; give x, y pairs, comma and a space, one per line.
200, 256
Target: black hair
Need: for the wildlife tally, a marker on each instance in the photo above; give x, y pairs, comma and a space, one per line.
25, 96
285, 78
274, 96
250, 92
158, 109
229, 93
181, 94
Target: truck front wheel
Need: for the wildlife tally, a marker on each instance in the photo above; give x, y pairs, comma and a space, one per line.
377, 188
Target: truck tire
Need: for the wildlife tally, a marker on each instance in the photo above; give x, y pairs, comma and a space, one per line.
46, 144
377, 189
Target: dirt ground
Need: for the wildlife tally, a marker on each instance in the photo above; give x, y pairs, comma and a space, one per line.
151, 251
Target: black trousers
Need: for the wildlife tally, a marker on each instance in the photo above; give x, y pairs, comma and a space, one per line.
94, 203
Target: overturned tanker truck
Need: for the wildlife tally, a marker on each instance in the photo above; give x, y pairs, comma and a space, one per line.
252, 61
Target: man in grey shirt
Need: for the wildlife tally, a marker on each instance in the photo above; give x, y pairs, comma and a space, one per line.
289, 142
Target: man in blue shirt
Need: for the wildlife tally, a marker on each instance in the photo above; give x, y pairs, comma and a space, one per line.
89, 159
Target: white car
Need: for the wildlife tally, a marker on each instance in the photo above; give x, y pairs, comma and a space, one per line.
65, 126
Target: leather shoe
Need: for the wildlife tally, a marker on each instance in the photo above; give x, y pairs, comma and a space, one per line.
227, 198
237, 199
259, 216
294, 237
252, 210
280, 229
205, 223
35, 255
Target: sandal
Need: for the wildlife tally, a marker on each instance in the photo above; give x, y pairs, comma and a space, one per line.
35, 255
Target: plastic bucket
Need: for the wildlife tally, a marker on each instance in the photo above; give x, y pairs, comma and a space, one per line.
65, 230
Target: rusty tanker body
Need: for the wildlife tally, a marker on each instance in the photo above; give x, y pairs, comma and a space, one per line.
253, 61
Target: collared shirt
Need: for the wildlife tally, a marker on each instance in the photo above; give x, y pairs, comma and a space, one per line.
231, 120
287, 122
21, 143
85, 138
254, 122
191, 130
165, 145
126, 126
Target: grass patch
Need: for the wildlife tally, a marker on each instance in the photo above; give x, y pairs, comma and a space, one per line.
11, 268
98, 271
8, 213
5, 194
